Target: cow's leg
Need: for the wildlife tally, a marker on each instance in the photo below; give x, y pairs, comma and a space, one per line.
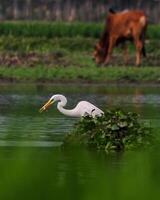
112, 42
138, 45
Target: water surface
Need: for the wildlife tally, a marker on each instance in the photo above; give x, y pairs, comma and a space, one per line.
34, 166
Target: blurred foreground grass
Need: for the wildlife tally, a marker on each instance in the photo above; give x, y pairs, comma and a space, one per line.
39, 173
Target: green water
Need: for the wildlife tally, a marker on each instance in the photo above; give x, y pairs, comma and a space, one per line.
33, 165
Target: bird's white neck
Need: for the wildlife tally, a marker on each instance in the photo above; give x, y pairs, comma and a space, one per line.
60, 107
66, 111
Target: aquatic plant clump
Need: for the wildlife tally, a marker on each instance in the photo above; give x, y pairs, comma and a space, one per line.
115, 131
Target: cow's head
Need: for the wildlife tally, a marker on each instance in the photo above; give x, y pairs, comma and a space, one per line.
99, 53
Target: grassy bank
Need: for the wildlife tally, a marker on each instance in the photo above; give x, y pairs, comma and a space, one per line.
88, 74
42, 51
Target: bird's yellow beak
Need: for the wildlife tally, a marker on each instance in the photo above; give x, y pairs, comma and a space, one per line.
46, 105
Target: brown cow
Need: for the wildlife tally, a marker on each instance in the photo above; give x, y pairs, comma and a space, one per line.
121, 26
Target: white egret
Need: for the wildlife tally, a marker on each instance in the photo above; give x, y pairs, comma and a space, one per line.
83, 108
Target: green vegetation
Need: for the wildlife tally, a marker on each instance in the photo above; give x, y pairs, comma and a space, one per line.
114, 131
21, 45
45, 45
62, 29
50, 29
109, 74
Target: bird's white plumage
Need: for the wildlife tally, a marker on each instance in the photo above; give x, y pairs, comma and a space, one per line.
86, 108
83, 108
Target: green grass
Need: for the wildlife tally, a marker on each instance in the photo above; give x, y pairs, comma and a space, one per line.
41, 44
50, 29
62, 29
106, 74
20, 44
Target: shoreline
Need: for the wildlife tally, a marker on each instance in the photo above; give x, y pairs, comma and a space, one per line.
72, 74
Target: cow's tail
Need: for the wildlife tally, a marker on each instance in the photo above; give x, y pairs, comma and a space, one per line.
112, 10
143, 43
144, 50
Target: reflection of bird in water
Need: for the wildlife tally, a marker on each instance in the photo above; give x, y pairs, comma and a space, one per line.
83, 108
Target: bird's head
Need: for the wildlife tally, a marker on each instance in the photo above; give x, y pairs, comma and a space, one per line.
53, 99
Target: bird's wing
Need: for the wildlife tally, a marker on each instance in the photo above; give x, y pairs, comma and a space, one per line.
89, 109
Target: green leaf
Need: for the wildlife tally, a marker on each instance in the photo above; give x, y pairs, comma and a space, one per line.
114, 127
